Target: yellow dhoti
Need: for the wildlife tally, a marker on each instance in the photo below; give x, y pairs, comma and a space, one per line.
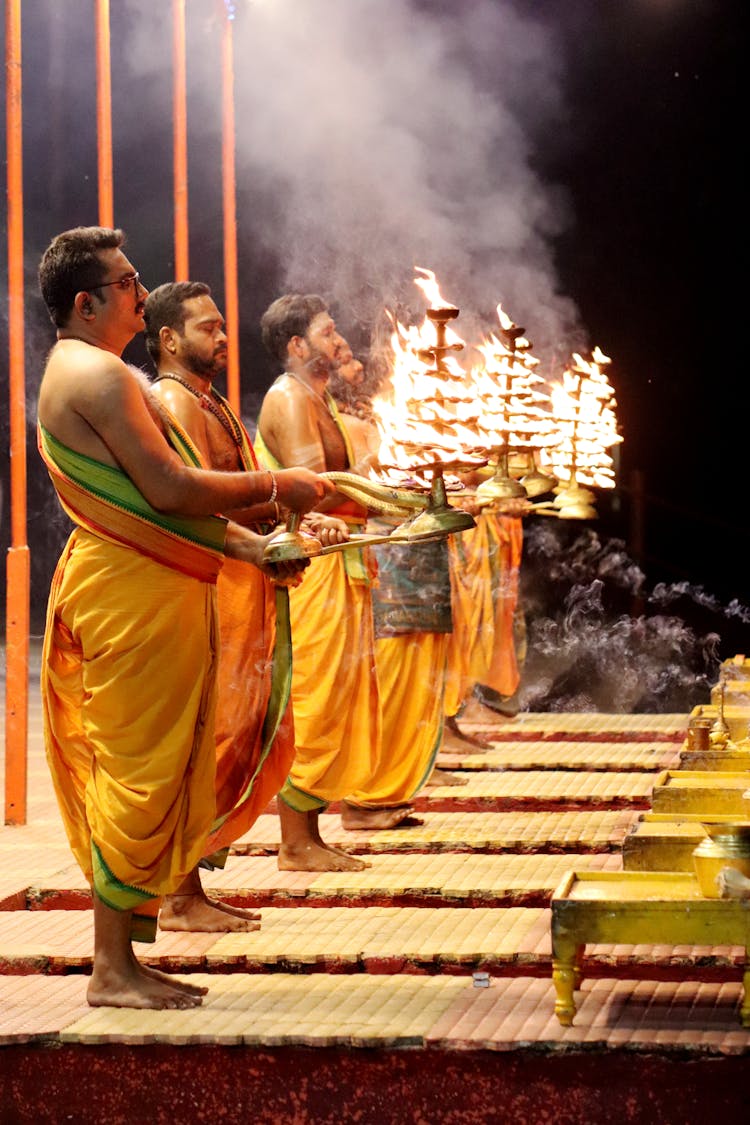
128, 686
484, 589
254, 725
411, 673
334, 686
501, 672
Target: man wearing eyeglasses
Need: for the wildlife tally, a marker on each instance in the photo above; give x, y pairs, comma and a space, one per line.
128, 679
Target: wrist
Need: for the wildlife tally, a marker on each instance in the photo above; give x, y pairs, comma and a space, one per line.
274, 488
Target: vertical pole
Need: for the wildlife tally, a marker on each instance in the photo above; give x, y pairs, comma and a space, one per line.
179, 98
104, 115
18, 568
229, 193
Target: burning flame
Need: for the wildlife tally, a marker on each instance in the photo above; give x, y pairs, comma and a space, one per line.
429, 286
515, 412
584, 407
435, 415
428, 415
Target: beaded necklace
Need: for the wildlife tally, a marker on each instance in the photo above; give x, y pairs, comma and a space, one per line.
211, 402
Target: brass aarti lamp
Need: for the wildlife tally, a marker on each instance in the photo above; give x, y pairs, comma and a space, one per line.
424, 514
583, 405
438, 518
508, 371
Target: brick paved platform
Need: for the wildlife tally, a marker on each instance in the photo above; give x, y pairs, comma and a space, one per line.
385, 960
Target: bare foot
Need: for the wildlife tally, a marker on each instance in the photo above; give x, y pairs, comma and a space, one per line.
173, 982
453, 734
133, 988
315, 857
444, 777
314, 829
237, 911
197, 914
356, 817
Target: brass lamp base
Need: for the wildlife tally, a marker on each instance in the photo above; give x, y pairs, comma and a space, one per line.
438, 520
575, 503
501, 488
435, 523
291, 544
537, 483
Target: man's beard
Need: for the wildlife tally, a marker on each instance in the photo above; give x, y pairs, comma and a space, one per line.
206, 368
320, 364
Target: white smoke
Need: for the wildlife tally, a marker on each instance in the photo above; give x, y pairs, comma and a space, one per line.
585, 654
376, 135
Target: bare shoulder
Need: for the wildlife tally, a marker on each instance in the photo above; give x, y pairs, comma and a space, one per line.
90, 399
285, 398
179, 402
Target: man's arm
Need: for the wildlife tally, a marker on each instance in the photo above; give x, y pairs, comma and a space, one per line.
97, 408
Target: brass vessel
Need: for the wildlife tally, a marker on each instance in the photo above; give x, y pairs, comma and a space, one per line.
437, 520
573, 502
725, 845
428, 516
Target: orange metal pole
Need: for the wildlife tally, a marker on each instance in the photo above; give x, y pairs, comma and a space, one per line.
104, 115
181, 270
229, 192
18, 568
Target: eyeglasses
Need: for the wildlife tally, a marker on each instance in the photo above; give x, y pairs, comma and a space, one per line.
124, 283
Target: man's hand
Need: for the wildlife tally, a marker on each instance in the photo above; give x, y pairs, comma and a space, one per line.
299, 490
467, 502
327, 529
514, 506
246, 546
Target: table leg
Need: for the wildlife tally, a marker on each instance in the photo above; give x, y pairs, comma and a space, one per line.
563, 978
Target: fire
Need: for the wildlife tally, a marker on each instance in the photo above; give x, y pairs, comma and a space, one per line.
429, 286
435, 416
584, 407
515, 411
428, 415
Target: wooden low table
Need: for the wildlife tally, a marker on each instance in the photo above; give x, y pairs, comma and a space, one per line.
736, 760
701, 791
633, 908
662, 846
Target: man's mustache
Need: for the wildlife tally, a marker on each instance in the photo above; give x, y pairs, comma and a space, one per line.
320, 360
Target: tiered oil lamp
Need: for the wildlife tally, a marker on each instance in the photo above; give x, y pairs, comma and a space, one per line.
583, 406
513, 417
428, 418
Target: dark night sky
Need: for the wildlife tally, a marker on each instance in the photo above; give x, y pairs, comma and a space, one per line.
645, 154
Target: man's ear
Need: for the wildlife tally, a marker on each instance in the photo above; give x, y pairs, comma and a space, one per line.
167, 339
296, 346
84, 306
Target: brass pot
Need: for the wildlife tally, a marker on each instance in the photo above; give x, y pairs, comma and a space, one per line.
725, 845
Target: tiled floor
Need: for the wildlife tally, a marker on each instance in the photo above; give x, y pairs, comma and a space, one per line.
393, 956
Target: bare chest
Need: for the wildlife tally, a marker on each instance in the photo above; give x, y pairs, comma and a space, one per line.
332, 440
